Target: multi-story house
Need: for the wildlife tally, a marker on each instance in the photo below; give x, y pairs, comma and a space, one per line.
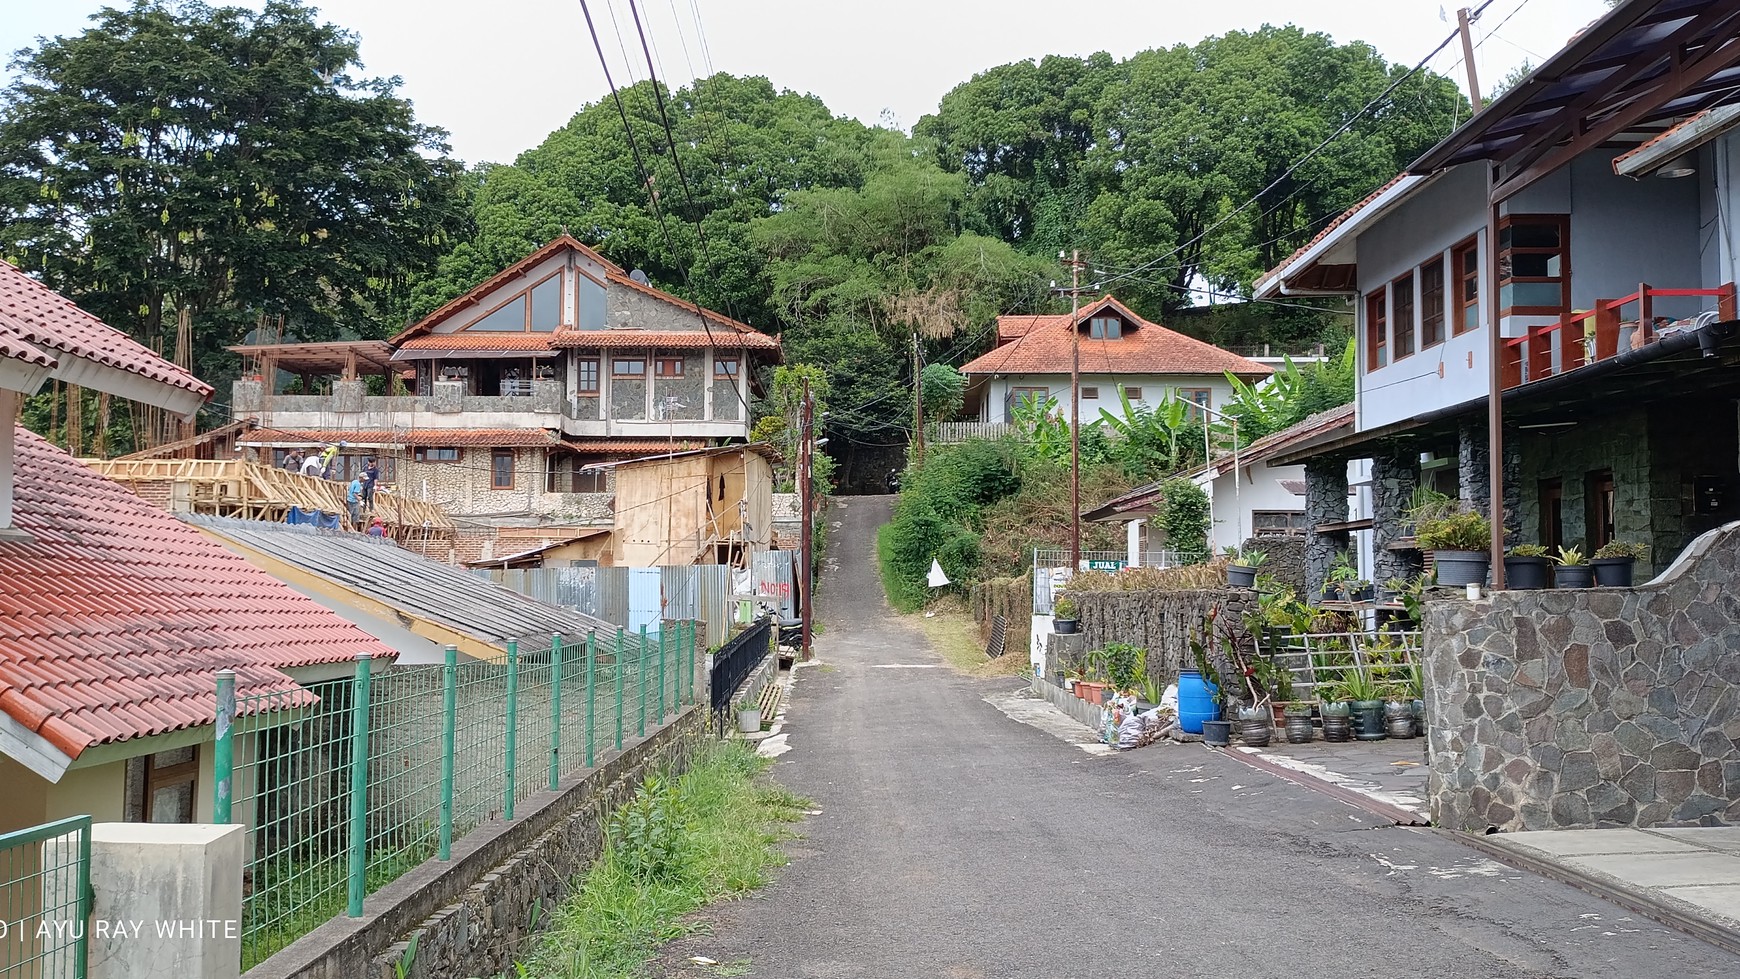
498, 405
1586, 215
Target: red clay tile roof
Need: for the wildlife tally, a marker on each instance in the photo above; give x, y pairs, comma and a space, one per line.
13, 347
1041, 345
481, 437
116, 617
662, 340
1340, 219
41, 317
479, 341
496, 281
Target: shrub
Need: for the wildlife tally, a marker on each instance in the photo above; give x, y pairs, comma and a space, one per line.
1189, 577
1184, 516
1460, 530
1623, 548
1528, 550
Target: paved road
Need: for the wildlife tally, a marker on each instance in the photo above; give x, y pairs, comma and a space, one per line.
954, 842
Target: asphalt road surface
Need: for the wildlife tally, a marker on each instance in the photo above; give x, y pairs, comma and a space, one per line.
955, 842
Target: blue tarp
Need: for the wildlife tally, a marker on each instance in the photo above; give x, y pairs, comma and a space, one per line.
297, 515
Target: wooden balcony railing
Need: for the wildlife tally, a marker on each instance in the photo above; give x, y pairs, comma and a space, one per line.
1596, 334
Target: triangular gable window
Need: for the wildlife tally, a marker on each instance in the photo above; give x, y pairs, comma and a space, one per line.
537, 308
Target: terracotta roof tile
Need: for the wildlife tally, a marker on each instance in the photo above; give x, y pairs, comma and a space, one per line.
479, 341
629, 446
37, 315
1041, 345
1340, 219
663, 340
486, 437
115, 617
13, 347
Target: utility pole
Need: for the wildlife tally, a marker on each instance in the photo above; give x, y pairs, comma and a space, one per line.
1468, 57
917, 404
805, 464
1074, 410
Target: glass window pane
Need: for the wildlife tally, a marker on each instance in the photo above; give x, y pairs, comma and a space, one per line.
508, 319
547, 304
1530, 294
1533, 235
173, 803
169, 759
1534, 266
592, 304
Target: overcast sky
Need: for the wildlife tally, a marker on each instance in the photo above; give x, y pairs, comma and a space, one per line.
500, 74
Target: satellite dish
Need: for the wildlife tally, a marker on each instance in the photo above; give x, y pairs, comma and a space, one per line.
640, 277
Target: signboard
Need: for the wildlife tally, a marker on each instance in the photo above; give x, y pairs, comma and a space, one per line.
1106, 565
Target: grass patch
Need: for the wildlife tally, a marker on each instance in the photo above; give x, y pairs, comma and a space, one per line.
953, 633
903, 594
682, 843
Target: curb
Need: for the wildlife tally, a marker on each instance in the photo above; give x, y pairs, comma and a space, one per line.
1630, 898
1382, 810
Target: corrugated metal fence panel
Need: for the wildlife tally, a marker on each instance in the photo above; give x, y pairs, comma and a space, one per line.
630, 596
775, 581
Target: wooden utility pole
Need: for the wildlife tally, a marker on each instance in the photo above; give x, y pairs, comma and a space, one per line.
1468, 58
917, 404
1074, 411
805, 464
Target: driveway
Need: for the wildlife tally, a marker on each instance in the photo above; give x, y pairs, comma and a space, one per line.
955, 842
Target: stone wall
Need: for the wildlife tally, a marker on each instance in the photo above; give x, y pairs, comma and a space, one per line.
1590, 707
1161, 622
1394, 477
1012, 598
1325, 502
1284, 558
472, 915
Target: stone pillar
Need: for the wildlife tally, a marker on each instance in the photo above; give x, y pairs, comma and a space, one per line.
1513, 487
1325, 502
1062, 653
246, 397
168, 901
449, 397
546, 395
1473, 471
1394, 477
348, 395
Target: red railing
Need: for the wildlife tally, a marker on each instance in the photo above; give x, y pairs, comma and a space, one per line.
1579, 344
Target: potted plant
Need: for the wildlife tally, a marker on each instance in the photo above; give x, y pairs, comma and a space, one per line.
1525, 567
1398, 711
748, 717
1342, 575
1572, 569
1361, 590
1614, 562
1256, 724
1063, 617
1417, 693
1242, 572
1457, 540
1368, 703
1336, 712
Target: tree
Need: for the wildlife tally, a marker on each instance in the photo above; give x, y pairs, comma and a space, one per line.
944, 388
226, 162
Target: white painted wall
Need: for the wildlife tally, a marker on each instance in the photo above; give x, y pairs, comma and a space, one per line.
1259, 489
1155, 388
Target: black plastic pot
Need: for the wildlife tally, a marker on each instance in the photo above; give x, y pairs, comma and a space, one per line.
1613, 572
1370, 719
1526, 573
1573, 576
1217, 733
1239, 576
1363, 593
1458, 568
1066, 627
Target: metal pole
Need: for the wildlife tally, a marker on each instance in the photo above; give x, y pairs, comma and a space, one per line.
223, 755
662, 648
513, 725
1495, 396
591, 688
81, 948
555, 710
806, 456
1074, 412
359, 786
640, 684
449, 720
917, 402
617, 669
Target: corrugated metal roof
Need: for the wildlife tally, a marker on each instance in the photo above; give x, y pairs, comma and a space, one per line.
386, 573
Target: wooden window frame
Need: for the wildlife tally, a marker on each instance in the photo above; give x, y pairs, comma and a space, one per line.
1562, 250
1105, 328
1090, 393
727, 367
1431, 322
1464, 279
1403, 286
580, 377
421, 454
660, 363
525, 320
1551, 530
1377, 332
152, 779
1598, 509
1188, 396
1132, 391
639, 376
513, 465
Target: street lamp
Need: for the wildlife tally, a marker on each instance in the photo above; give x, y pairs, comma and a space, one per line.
1207, 464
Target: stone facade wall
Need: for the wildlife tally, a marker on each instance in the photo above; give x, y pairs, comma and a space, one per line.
1325, 502
1161, 622
1569, 455
1284, 558
1012, 598
1394, 478
1590, 707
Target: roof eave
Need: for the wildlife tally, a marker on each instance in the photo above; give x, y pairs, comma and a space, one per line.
1276, 281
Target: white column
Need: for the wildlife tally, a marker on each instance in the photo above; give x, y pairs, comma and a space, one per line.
1133, 542
8, 419
168, 901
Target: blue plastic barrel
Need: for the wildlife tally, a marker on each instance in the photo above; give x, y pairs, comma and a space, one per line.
1196, 702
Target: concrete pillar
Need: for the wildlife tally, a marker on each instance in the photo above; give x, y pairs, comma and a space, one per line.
247, 397
1394, 477
348, 395
1133, 543
1325, 502
168, 901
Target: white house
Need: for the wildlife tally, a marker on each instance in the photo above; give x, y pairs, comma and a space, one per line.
1119, 351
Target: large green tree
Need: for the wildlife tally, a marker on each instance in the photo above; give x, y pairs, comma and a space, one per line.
223, 161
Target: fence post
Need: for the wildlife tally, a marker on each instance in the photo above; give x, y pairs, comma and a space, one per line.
618, 671
555, 710
359, 786
449, 720
662, 653
694, 627
513, 724
640, 683
591, 687
223, 760
86, 901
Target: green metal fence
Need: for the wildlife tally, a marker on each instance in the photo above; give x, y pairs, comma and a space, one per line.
45, 900
346, 785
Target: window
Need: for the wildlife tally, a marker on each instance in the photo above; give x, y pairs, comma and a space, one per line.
501, 469
1377, 332
1432, 303
1534, 267
564, 475
725, 368
1598, 509
162, 787
1133, 393
1287, 523
1105, 328
1552, 528
668, 366
592, 305
547, 304
588, 377
1466, 261
634, 367
538, 308
1021, 396
1090, 393
436, 453
1402, 299
509, 317
1197, 396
